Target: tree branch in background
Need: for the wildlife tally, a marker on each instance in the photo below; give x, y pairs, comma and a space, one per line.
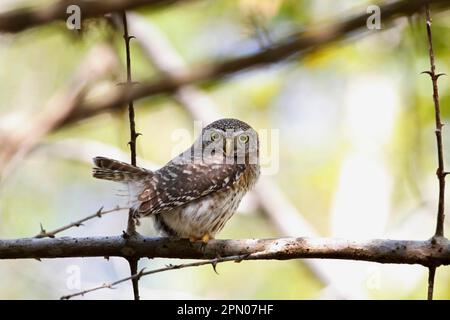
131, 224
16, 144
440, 172
21, 19
300, 42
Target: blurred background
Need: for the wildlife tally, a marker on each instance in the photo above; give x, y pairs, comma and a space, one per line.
349, 146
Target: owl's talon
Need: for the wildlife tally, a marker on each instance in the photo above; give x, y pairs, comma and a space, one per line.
206, 238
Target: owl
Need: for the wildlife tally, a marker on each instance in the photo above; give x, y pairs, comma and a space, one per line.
197, 192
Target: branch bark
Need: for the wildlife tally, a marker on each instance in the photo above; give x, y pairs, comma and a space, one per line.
21, 19
425, 252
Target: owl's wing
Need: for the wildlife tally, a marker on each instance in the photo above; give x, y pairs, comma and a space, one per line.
177, 184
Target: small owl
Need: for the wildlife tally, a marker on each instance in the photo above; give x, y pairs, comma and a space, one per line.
197, 192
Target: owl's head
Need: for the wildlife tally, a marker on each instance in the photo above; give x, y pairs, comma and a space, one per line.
232, 139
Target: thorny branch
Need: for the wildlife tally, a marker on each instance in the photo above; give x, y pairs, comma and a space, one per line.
426, 252
440, 152
437, 110
131, 225
100, 212
143, 273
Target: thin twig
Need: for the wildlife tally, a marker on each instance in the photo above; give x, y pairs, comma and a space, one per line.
100, 212
440, 172
131, 225
431, 274
133, 134
142, 273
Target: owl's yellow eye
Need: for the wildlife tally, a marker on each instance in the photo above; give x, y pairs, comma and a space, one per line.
243, 138
215, 136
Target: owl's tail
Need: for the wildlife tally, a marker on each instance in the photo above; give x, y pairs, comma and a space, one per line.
114, 170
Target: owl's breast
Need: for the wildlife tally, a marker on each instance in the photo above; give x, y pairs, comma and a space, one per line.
206, 215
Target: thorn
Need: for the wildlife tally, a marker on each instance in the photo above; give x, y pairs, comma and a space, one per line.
427, 72
38, 259
42, 228
125, 235
139, 275
440, 74
99, 212
78, 224
131, 37
138, 134
214, 265
106, 257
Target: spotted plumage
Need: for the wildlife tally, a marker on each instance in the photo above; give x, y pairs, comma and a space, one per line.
197, 192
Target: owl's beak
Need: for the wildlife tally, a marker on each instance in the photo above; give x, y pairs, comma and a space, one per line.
229, 147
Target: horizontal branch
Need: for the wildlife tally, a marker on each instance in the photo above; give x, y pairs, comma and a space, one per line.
428, 253
21, 19
297, 43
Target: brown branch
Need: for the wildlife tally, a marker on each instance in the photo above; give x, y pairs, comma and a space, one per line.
131, 224
440, 172
100, 213
133, 134
21, 19
431, 274
437, 110
142, 273
298, 43
427, 252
